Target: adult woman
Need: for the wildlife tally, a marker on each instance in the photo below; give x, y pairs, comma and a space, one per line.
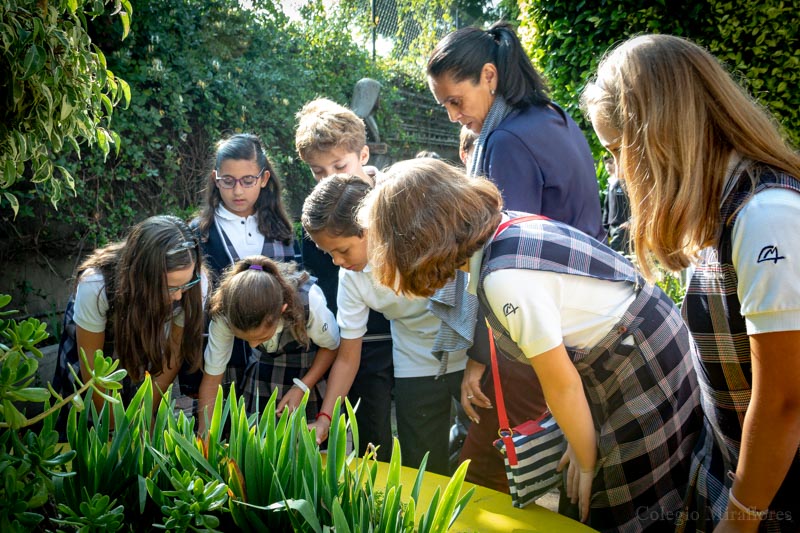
611, 352
710, 178
527, 145
541, 162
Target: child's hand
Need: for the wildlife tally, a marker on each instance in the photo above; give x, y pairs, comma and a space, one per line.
579, 482
291, 399
322, 425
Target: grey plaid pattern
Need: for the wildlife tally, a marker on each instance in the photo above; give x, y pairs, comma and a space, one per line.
458, 311
644, 397
713, 312
277, 370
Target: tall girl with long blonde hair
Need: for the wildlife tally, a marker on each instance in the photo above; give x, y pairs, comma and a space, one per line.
714, 185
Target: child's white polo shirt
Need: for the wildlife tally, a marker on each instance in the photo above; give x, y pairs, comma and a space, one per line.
414, 328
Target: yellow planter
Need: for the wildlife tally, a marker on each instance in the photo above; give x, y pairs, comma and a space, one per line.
487, 511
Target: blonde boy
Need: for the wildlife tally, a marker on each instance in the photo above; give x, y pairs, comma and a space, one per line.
332, 139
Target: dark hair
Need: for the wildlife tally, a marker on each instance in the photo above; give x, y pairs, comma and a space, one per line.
463, 53
333, 206
273, 221
248, 298
135, 277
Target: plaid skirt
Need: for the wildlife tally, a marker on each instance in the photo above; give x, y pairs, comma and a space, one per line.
645, 402
265, 373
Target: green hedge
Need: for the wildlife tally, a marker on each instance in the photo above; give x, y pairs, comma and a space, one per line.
757, 39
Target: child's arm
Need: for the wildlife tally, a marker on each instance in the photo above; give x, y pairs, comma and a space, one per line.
343, 372
215, 361
563, 391
322, 362
90, 342
162, 381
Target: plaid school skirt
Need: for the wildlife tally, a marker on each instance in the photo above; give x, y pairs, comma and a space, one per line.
266, 373
644, 397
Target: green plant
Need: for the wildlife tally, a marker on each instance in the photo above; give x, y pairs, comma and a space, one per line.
97, 513
266, 474
56, 92
32, 460
191, 504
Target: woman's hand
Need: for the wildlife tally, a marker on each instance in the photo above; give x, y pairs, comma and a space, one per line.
291, 400
579, 482
471, 392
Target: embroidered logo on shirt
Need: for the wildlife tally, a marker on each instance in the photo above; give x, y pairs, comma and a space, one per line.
509, 309
769, 253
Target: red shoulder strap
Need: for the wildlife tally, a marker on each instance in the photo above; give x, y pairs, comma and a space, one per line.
510, 221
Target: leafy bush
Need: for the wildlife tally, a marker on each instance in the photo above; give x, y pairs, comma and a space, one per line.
132, 468
755, 38
199, 71
30, 455
56, 92
152, 472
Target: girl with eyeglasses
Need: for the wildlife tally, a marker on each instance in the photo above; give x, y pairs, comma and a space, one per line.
283, 315
242, 215
141, 301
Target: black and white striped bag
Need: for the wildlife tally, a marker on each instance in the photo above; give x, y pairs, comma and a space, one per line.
531, 452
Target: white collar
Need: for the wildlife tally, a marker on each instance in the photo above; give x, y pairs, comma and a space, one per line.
223, 213
730, 180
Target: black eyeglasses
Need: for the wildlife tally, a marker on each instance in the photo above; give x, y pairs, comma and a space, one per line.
229, 182
185, 287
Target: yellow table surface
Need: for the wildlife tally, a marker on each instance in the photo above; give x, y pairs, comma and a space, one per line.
488, 510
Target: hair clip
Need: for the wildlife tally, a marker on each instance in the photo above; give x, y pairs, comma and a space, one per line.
255, 267
182, 247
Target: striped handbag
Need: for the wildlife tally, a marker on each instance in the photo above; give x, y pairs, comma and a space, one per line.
531, 451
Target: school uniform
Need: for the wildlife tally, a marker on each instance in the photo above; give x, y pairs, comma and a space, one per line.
374, 382
747, 283
231, 238
629, 345
91, 309
422, 396
541, 163
277, 362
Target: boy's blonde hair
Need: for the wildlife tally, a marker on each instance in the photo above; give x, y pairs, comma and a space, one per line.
323, 125
680, 117
425, 220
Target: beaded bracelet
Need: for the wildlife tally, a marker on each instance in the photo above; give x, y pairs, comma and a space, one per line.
326, 415
749, 511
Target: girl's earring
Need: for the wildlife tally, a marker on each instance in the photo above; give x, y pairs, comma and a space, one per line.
492, 92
